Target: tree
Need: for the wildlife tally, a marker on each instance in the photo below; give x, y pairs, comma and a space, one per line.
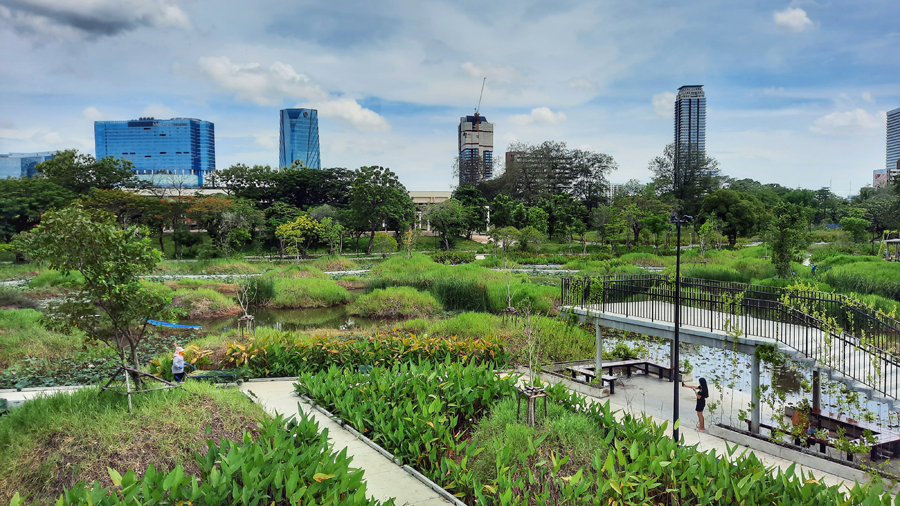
333, 234
856, 227
278, 214
530, 236
257, 183
377, 197
685, 177
504, 237
656, 224
23, 200
449, 219
126, 206
384, 244
789, 236
80, 173
301, 233
739, 212
112, 306
474, 202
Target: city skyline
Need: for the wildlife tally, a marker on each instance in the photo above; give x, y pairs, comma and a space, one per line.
801, 88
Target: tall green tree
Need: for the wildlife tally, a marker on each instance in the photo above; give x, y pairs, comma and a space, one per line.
739, 212
474, 202
685, 177
377, 197
789, 236
23, 200
112, 306
80, 172
449, 219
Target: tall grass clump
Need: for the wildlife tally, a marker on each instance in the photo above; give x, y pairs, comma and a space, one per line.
875, 278
841, 259
497, 262
296, 293
23, 336
13, 298
296, 272
646, 260
204, 303
395, 302
715, 272
335, 263
754, 268
56, 278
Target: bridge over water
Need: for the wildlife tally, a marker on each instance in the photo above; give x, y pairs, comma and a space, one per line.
836, 335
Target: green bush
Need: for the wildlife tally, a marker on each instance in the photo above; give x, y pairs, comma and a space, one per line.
453, 257
395, 302
294, 293
203, 303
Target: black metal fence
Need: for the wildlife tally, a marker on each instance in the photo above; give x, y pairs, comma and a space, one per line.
838, 332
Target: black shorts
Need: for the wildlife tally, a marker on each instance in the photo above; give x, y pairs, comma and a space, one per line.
701, 405
179, 377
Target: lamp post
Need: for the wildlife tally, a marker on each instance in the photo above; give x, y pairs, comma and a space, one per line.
677, 221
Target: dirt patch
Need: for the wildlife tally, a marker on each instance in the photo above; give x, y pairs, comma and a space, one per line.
202, 308
354, 284
72, 454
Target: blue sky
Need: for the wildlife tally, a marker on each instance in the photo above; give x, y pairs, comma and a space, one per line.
796, 91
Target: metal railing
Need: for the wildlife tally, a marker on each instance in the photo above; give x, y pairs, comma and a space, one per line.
837, 332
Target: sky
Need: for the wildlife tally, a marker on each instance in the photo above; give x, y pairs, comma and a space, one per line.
796, 91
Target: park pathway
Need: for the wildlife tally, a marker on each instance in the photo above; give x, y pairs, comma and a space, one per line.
384, 479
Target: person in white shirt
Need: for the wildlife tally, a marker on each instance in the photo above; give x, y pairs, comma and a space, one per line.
178, 364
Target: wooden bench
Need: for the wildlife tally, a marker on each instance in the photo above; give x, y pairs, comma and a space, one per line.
588, 372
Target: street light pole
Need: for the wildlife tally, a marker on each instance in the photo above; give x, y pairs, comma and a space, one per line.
678, 221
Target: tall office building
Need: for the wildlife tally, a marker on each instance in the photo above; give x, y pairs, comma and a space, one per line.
22, 164
476, 149
166, 152
690, 119
299, 138
892, 164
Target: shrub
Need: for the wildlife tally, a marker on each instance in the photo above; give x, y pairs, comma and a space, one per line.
395, 302
293, 293
335, 263
453, 257
204, 303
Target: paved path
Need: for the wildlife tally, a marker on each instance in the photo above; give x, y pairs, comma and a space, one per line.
384, 479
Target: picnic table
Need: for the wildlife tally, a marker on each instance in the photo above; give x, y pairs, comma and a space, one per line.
608, 369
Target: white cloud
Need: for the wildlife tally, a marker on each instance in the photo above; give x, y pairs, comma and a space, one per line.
267, 141
867, 97
349, 111
502, 74
792, 19
582, 84
75, 19
92, 113
279, 82
855, 122
538, 116
664, 104
158, 111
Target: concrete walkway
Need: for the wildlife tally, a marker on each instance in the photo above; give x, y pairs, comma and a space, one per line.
384, 479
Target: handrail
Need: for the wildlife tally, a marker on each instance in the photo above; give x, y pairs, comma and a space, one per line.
765, 309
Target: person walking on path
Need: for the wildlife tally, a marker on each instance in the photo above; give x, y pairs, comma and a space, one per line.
178, 364
702, 393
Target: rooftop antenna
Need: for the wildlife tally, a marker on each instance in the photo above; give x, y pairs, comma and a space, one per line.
480, 96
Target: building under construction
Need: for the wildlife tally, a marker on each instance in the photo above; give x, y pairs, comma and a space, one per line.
476, 149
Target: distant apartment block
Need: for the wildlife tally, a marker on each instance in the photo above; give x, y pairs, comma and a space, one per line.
299, 138
879, 178
476, 149
892, 163
22, 164
690, 119
166, 152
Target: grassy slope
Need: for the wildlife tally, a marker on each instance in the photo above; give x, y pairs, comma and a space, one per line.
23, 336
53, 442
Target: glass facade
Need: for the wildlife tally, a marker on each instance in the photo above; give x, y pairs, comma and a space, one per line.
476, 149
167, 152
299, 139
892, 163
22, 164
690, 118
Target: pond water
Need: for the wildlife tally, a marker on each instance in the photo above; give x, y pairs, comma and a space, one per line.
291, 319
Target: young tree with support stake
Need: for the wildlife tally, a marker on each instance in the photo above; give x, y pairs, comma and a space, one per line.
112, 306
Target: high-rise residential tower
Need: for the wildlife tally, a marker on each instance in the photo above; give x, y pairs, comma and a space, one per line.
22, 164
166, 152
299, 138
892, 163
690, 119
476, 149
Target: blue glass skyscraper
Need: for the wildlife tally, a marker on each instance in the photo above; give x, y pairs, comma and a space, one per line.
893, 144
690, 119
167, 152
299, 138
22, 164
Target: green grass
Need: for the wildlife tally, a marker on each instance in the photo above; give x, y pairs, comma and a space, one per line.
23, 336
296, 272
194, 283
19, 271
876, 278
395, 302
295, 293
204, 303
335, 263
14, 298
214, 266
52, 442
564, 433
647, 260
56, 279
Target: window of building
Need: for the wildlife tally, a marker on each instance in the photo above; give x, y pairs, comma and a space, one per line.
162, 152
162, 135
146, 156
